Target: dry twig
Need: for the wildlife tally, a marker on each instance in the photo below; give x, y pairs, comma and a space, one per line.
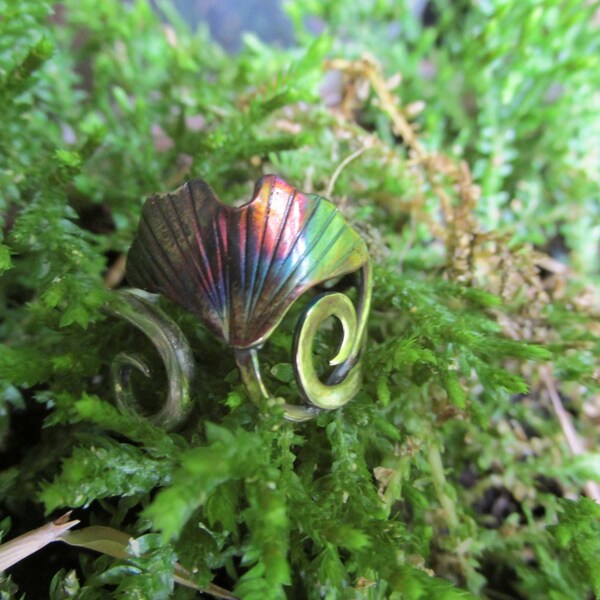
591, 488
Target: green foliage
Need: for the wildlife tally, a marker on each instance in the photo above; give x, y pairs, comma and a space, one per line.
447, 473
147, 573
497, 86
228, 455
578, 535
100, 472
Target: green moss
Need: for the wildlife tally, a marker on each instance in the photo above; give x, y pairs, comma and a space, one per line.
443, 477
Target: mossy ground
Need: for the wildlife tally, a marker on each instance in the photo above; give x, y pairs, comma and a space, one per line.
473, 134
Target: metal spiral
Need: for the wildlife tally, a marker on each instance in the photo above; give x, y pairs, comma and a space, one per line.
344, 382
136, 307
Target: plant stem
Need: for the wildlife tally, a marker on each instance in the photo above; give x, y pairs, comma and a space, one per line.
434, 458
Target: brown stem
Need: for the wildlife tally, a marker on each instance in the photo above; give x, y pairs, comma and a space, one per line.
591, 488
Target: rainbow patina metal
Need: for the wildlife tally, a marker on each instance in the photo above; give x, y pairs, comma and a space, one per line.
239, 269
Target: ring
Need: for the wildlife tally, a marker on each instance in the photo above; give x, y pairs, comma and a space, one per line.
240, 269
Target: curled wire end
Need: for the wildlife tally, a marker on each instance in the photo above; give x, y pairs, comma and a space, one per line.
345, 380
135, 307
329, 395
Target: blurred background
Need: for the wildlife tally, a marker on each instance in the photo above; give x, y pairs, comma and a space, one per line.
228, 20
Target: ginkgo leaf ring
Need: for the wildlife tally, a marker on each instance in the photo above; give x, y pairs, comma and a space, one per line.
239, 269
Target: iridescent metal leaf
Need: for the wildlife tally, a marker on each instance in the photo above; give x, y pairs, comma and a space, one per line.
240, 269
